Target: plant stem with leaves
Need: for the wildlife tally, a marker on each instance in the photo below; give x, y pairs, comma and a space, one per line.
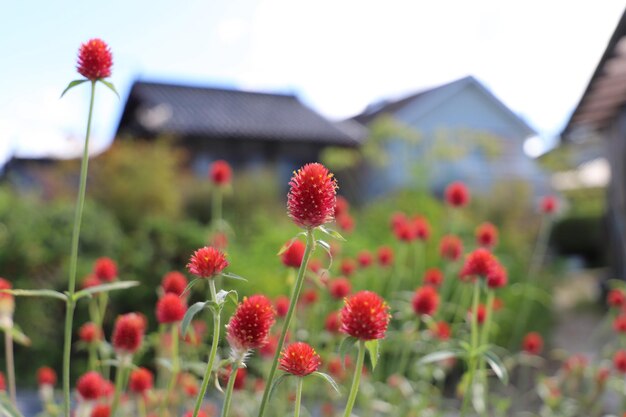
473, 349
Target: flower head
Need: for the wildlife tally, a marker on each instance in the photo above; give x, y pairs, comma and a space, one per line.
421, 227
341, 206
532, 343
311, 199
365, 315
7, 303
450, 247
220, 173
364, 258
433, 276
347, 267
90, 280
140, 380
345, 223
240, 377
478, 263
497, 277
174, 282
339, 288
616, 298
549, 204
299, 359
457, 194
105, 269
332, 322
619, 361
385, 256
619, 324
425, 301
170, 309
128, 332
481, 314
46, 376
281, 303
207, 262
487, 235
94, 60
442, 330
249, 326
90, 386
292, 256
89, 332
101, 410
3, 385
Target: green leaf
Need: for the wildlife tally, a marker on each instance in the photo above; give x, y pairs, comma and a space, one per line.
164, 363
323, 244
233, 276
190, 285
19, 337
345, 345
110, 85
111, 286
440, 355
7, 408
498, 367
372, 348
36, 293
222, 294
277, 382
191, 311
328, 379
71, 85
332, 233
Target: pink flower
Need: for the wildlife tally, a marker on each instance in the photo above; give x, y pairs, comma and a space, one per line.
94, 60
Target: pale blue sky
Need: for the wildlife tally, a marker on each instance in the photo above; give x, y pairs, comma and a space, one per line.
338, 56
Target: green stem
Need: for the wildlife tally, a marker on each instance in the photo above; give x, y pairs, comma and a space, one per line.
484, 339
175, 370
296, 413
355, 380
310, 244
229, 389
217, 208
120, 379
141, 405
474, 340
69, 312
8, 351
93, 359
212, 354
407, 349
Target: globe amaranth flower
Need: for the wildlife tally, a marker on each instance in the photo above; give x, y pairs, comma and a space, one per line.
140, 381
220, 173
450, 247
312, 196
421, 227
619, 361
281, 303
292, 256
105, 269
497, 276
487, 235
549, 204
532, 343
345, 222
250, 325
90, 386
425, 301
457, 194
481, 314
385, 256
3, 385
365, 315
7, 304
341, 206
46, 376
89, 333
101, 410
240, 378
90, 280
299, 359
170, 309
174, 282
128, 333
332, 322
207, 262
433, 277
616, 298
339, 288
347, 267
478, 263
364, 258
442, 330
94, 60
619, 324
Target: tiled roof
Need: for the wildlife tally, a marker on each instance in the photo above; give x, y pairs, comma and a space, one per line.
157, 108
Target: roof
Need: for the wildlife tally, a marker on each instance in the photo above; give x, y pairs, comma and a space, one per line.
157, 108
605, 93
431, 97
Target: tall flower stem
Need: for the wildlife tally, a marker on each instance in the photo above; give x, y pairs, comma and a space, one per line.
71, 303
229, 389
484, 339
8, 351
296, 413
120, 381
474, 346
356, 380
175, 370
212, 354
216, 208
310, 245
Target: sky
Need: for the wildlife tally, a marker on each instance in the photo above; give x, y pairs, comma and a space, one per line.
336, 55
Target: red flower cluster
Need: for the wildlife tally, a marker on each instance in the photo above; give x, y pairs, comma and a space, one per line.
347, 267
170, 309
457, 194
481, 314
299, 359
425, 301
94, 60
249, 326
433, 276
619, 324
339, 288
497, 277
385, 256
101, 410
479, 263
140, 381
619, 361
128, 332
311, 200
487, 235
549, 204
616, 298
105, 269
442, 330
364, 258
174, 282
46, 376
532, 343
89, 333
207, 262
292, 256
90, 386
422, 228
220, 173
451, 247
365, 316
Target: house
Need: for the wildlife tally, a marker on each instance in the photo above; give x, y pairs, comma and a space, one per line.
248, 129
599, 121
465, 133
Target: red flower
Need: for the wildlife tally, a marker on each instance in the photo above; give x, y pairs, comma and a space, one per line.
341, 206
174, 282
89, 333
404, 231
487, 235
292, 256
619, 324
339, 288
549, 204
619, 361
481, 314
385, 256
442, 330
105, 269
46, 376
309, 296
299, 359
575, 363
422, 228
457, 194
249, 326
348, 266
364, 258
101, 410
94, 60
170, 309
128, 332
5, 285
616, 298
332, 322
201, 413
498, 304
533, 343
282, 305
220, 172
345, 223
207, 262
90, 281
398, 219
240, 378
451, 247
479, 263
3, 385
365, 316
315, 265
602, 375
433, 276
7, 302
140, 381
311, 199
497, 276
90, 386
425, 301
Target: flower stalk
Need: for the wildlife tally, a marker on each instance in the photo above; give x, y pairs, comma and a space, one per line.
356, 380
229, 389
296, 412
474, 347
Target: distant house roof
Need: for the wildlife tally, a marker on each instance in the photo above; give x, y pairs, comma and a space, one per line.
606, 92
431, 97
156, 108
